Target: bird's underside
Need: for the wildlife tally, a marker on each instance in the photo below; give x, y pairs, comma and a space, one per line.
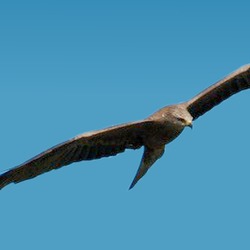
153, 133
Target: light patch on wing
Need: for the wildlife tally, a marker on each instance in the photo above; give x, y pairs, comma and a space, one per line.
87, 134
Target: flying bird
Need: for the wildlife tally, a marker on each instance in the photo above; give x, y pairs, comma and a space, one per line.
153, 133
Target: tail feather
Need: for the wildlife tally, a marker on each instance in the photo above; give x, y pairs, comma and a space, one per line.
150, 156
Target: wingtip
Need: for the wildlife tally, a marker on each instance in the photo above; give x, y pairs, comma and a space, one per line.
5, 179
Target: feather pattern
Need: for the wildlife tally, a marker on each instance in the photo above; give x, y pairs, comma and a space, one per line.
88, 146
220, 91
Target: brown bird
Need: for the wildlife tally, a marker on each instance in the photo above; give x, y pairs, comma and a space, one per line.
153, 133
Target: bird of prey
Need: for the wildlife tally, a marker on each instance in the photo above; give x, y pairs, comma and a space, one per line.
153, 133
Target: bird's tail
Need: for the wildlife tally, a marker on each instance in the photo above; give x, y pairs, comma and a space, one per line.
150, 156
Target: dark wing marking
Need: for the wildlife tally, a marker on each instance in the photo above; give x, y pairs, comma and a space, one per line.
217, 93
88, 146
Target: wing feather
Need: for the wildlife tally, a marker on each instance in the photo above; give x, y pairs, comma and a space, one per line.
88, 146
220, 91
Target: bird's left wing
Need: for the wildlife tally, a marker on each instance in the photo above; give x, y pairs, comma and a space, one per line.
220, 91
88, 146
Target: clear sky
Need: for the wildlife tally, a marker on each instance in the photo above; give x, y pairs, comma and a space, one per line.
67, 67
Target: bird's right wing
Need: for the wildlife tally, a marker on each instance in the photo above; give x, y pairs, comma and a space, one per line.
88, 146
220, 91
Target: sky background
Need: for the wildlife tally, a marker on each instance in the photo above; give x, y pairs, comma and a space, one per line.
67, 67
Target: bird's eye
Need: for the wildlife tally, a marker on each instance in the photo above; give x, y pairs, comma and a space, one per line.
182, 120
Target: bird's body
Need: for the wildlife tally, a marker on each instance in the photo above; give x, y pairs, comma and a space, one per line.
153, 133
161, 130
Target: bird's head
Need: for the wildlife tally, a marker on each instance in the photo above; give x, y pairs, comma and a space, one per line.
177, 115
181, 116
185, 122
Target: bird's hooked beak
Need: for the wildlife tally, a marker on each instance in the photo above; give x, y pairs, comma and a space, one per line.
189, 124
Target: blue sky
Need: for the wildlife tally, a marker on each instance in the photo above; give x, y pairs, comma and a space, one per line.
68, 67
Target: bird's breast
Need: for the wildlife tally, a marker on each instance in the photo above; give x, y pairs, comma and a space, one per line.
161, 133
